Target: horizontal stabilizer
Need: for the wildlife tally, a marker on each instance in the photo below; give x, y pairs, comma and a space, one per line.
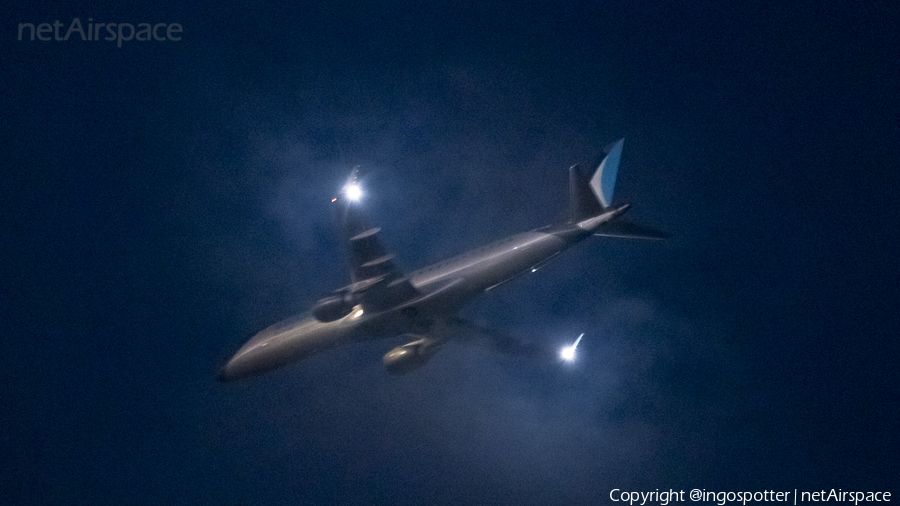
628, 230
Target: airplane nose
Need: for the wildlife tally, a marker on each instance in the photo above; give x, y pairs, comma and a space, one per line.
236, 368
224, 373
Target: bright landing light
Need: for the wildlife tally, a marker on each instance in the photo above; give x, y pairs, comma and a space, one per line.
353, 192
568, 352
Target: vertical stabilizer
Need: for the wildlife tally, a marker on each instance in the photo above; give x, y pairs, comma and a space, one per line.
582, 203
604, 181
591, 196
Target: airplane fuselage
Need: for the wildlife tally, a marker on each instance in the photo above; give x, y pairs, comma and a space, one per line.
382, 302
446, 286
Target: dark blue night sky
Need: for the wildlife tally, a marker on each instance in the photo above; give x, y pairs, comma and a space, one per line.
165, 200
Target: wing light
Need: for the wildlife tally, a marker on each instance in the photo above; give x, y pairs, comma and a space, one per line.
353, 192
568, 352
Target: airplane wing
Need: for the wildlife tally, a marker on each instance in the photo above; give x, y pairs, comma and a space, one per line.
374, 274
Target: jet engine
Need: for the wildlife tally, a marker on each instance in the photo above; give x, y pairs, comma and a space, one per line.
404, 359
332, 308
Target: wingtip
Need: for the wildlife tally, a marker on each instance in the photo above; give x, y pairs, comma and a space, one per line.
352, 181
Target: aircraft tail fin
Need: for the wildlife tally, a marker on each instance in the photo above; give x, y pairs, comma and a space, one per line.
591, 196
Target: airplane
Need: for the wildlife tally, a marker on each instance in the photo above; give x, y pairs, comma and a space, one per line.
381, 301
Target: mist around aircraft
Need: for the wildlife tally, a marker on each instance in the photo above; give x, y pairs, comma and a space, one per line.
381, 301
